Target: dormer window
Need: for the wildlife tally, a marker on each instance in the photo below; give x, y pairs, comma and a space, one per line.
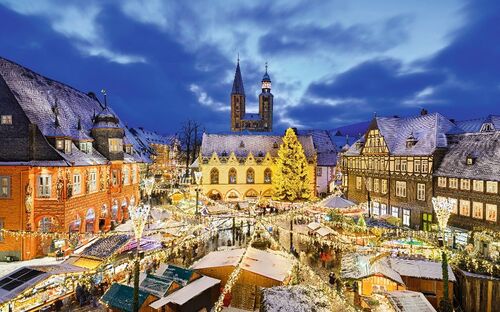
359, 144
411, 141
6, 119
67, 146
224, 154
115, 145
86, 147
60, 144
487, 127
275, 145
469, 160
242, 144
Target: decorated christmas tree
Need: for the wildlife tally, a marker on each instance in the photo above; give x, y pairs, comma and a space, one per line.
291, 180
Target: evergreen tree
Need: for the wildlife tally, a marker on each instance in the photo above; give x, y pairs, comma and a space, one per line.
291, 178
361, 221
445, 304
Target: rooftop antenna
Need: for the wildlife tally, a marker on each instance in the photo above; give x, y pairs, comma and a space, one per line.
103, 91
266, 67
238, 57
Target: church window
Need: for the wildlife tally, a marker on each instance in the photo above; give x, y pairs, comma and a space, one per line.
268, 176
6, 119
250, 176
232, 176
214, 176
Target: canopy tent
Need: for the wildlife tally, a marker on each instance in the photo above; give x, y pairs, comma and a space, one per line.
336, 202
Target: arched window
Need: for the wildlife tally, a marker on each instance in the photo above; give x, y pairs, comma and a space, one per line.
250, 176
214, 176
232, 176
268, 175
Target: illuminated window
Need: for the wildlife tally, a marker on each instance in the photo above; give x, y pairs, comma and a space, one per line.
126, 176
214, 176
232, 176
395, 212
421, 191
478, 185
319, 171
268, 176
465, 184
454, 207
67, 146
134, 175
384, 186
4, 187
93, 180
453, 183
115, 145
44, 185
492, 187
359, 183
425, 166
401, 188
477, 210
491, 212
114, 177
77, 184
60, 144
464, 208
406, 217
376, 185
404, 165
6, 120
441, 181
416, 166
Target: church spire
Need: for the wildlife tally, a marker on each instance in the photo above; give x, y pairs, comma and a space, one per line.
238, 81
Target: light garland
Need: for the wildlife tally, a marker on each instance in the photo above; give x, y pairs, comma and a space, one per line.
442, 207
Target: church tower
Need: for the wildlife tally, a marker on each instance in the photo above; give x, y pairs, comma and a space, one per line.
266, 103
237, 100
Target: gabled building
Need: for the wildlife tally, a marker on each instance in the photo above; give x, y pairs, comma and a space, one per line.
67, 163
469, 176
240, 167
391, 167
163, 150
326, 160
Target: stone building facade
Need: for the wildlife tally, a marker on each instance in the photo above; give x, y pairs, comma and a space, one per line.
67, 164
240, 119
240, 167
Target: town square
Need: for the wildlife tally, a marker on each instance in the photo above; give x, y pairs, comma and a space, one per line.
290, 156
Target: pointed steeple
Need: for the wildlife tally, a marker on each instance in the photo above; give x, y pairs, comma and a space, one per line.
238, 81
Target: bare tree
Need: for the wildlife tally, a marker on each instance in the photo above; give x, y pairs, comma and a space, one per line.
190, 140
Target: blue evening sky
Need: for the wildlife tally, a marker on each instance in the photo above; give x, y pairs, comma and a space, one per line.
331, 62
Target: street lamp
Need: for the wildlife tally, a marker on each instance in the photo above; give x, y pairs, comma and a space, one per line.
139, 215
197, 179
148, 186
442, 208
368, 188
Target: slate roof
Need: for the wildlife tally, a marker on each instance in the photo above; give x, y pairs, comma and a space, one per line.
255, 144
325, 149
147, 137
155, 285
484, 147
238, 82
176, 274
474, 125
430, 131
121, 297
40, 97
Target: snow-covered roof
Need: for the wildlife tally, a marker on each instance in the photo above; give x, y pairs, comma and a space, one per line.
475, 125
243, 144
420, 269
325, 148
267, 263
430, 131
336, 202
187, 292
324, 231
293, 299
44, 100
314, 225
355, 266
483, 147
409, 301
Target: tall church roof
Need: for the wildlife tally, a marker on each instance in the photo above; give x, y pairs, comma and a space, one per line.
238, 82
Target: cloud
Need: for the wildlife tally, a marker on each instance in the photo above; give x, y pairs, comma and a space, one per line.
206, 100
77, 22
357, 38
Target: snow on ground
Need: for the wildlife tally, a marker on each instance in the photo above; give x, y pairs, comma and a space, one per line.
294, 299
8, 267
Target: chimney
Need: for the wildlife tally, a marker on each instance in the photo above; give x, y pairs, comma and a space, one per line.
423, 112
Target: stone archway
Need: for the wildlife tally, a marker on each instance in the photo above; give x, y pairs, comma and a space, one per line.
233, 195
214, 194
251, 194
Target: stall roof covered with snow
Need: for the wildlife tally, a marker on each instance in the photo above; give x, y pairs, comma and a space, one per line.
409, 301
336, 202
294, 298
